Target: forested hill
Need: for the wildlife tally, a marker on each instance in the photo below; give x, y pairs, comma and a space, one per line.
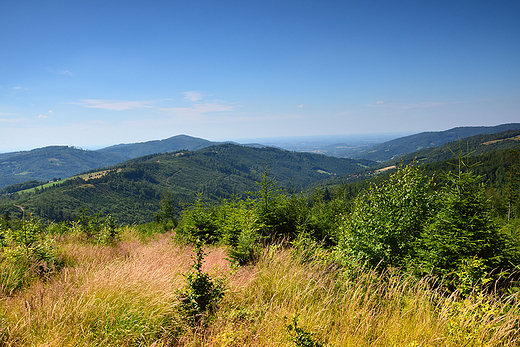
46, 163
172, 144
487, 153
478, 144
131, 191
404, 145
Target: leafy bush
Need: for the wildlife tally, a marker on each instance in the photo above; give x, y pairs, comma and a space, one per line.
471, 274
386, 220
26, 253
301, 337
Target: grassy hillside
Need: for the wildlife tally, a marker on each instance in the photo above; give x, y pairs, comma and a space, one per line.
409, 262
44, 164
132, 190
128, 295
490, 151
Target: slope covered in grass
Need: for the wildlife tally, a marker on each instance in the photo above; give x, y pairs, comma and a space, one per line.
127, 294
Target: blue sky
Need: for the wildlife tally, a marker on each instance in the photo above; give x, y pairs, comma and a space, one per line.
97, 73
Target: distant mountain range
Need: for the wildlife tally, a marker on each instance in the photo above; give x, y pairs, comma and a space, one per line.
46, 163
476, 145
398, 147
131, 190
172, 144
43, 164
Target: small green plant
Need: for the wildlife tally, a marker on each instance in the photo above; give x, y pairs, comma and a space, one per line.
240, 231
27, 253
98, 230
301, 337
167, 215
202, 293
199, 222
471, 275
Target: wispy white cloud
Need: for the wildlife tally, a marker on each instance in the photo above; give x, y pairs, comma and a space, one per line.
411, 105
192, 96
17, 88
50, 111
299, 106
9, 120
115, 105
60, 72
8, 114
197, 110
42, 116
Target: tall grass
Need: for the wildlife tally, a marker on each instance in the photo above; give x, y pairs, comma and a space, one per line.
122, 295
126, 295
364, 309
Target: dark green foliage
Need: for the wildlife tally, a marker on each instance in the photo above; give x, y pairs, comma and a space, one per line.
302, 337
26, 253
324, 212
386, 221
462, 228
513, 172
202, 293
411, 144
131, 191
97, 229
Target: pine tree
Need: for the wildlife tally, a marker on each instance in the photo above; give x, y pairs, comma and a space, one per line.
462, 229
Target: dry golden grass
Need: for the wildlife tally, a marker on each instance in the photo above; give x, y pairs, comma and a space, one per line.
132, 283
126, 295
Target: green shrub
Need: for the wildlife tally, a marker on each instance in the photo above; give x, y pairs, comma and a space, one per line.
301, 337
97, 229
386, 220
201, 294
462, 228
27, 253
200, 221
